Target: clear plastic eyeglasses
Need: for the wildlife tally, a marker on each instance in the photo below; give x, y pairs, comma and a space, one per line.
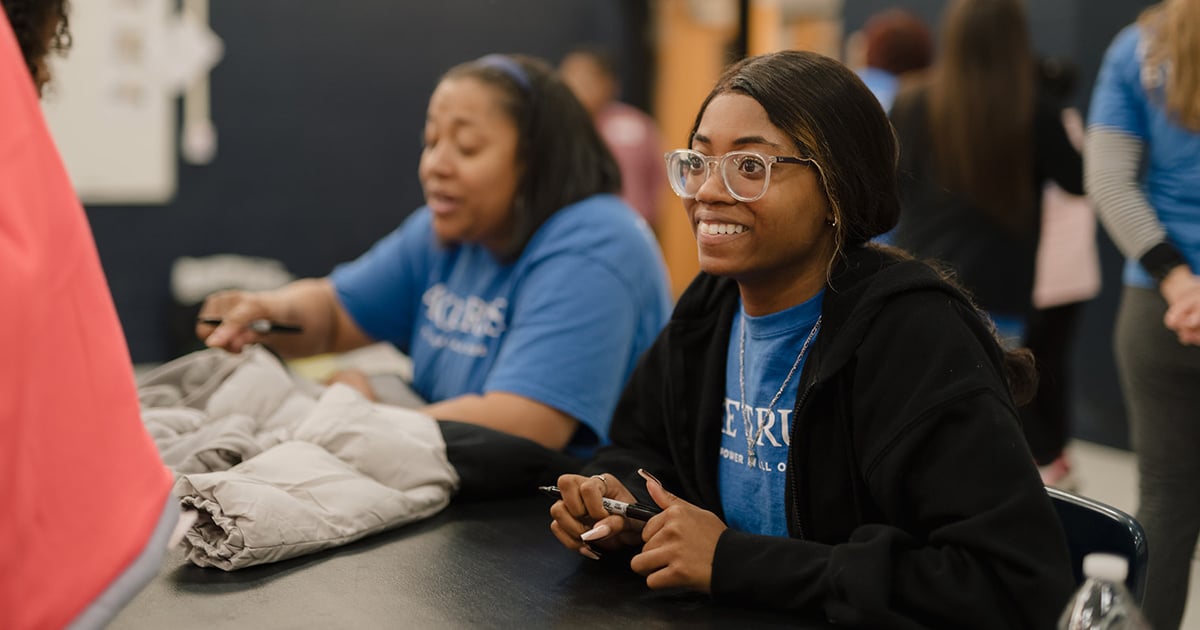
745, 173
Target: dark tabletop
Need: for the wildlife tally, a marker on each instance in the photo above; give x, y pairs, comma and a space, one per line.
490, 564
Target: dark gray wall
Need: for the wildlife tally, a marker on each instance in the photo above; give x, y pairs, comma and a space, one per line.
1079, 30
319, 108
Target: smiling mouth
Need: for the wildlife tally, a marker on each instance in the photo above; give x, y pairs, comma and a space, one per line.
715, 229
440, 204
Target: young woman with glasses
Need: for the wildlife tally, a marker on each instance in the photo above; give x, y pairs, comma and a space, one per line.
833, 424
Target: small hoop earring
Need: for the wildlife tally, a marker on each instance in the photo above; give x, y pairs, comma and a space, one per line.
831, 222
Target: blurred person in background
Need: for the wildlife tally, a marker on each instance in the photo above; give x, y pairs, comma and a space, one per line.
631, 134
1145, 110
892, 47
524, 290
88, 509
1067, 277
977, 144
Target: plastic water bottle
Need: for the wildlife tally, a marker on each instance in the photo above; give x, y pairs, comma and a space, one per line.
1103, 602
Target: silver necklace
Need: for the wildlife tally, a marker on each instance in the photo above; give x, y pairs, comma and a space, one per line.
752, 436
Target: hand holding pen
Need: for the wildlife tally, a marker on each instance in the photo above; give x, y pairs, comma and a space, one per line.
596, 512
678, 542
235, 319
637, 511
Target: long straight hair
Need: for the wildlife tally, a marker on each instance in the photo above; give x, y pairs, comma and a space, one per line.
981, 107
1172, 36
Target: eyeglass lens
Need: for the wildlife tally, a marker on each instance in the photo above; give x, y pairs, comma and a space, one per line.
744, 174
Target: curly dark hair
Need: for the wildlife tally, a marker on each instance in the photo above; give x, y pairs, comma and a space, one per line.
41, 28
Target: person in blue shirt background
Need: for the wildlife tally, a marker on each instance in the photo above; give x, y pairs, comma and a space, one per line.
1145, 109
892, 49
894, 44
524, 290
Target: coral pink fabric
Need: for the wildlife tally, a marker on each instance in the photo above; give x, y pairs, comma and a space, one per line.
81, 484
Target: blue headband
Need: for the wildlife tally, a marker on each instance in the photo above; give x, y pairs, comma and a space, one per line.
508, 66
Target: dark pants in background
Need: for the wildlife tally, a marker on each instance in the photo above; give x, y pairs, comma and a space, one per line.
1161, 381
1050, 335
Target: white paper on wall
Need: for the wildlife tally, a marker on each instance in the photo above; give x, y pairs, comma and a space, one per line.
110, 104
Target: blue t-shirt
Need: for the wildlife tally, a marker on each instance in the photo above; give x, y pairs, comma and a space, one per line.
752, 498
1122, 101
883, 85
564, 324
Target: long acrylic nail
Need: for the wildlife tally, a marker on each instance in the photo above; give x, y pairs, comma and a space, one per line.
648, 477
599, 531
587, 552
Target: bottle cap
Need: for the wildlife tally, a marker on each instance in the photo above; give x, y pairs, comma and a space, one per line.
1106, 566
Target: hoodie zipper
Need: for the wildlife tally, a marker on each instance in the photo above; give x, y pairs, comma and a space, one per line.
795, 471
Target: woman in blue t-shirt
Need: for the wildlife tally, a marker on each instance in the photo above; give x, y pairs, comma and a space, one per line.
524, 290
1146, 104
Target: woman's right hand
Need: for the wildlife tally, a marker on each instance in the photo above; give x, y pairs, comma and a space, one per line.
1181, 289
580, 520
235, 309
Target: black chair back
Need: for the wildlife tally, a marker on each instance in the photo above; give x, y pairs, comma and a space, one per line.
1094, 526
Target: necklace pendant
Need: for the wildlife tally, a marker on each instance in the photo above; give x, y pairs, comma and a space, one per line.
753, 437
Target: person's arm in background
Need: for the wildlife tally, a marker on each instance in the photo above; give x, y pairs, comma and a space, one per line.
1072, 122
328, 327
309, 303
315, 306
1183, 316
653, 176
1116, 138
1112, 159
564, 358
511, 413
1057, 157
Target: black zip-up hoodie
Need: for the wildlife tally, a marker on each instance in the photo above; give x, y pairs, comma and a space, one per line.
912, 499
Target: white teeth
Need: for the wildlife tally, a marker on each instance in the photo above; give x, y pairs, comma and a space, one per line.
721, 228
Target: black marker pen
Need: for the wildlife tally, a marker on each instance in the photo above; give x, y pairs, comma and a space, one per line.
613, 506
260, 326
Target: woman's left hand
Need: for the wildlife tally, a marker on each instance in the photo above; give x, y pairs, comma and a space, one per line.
680, 543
